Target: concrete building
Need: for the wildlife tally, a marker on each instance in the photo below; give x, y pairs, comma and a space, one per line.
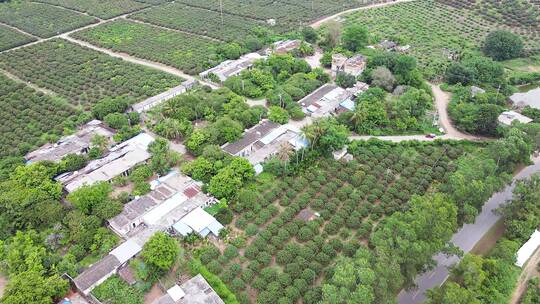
353, 66
78, 143
198, 221
194, 291
119, 161
530, 98
284, 46
324, 101
171, 198
245, 146
231, 68
98, 272
508, 117
156, 100
284, 138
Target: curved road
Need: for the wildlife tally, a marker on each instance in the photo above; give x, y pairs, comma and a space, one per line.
319, 22
466, 238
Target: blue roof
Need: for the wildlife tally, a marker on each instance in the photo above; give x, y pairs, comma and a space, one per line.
205, 232
182, 228
348, 104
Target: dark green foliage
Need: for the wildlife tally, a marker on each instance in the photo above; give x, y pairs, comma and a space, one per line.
116, 291
503, 45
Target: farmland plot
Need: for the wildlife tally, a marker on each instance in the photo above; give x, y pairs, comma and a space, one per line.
199, 21
82, 75
41, 19
189, 53
296, 227
101, 9
434, 30
10, 38
26, 115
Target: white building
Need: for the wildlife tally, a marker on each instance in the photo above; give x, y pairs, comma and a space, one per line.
246, 145
508, 117
527, 250
172, 196
198, 221
284, 46
78, 143
530, 98
119, 161
158, 99
194, 291
324, 101
231, 68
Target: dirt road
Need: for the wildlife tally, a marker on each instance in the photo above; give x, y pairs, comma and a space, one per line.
318, 23
527, 273
442, 99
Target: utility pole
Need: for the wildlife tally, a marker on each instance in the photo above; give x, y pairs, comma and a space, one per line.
221, 10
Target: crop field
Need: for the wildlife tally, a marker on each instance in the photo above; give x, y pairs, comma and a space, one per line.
10, 38
101, 9
25, 115
189, 53
296, 227
434, 30
41, 19
84, 76
289, 14
199, 21
510, 12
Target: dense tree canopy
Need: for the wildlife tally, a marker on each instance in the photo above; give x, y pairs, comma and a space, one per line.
503, 45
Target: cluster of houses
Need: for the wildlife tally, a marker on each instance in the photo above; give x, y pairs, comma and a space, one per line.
519, 101
175, 205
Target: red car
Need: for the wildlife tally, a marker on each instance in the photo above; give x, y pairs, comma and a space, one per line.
431, 135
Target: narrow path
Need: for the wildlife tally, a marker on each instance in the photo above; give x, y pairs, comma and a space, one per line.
33, 86
21, 31
132, 59
319, 22
442, 99
527, 273
67, 9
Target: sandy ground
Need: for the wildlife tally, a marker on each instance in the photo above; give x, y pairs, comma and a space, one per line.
3, 283
154, 294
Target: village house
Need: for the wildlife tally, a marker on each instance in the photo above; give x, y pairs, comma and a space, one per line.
530, 98
229, 68
324, 101
194, 291
246, 145
198, 221
527, 250
354, 66
153, 101
283, 47
119, 161
78, 143
508, 117
172, 197
100, 271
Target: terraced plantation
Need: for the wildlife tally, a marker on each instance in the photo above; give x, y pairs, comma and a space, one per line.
289, 14
199, 21
84, 76
189, 53
10, 38
25, 115
41, 19
435, 30
101, 9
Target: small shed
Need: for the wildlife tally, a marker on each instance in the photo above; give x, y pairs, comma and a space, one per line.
527, 250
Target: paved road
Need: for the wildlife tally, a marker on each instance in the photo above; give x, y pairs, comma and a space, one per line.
319, 22
466, 238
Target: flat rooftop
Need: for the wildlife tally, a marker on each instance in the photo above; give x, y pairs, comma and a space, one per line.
194, 291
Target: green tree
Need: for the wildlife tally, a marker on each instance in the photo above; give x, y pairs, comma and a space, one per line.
278, 115
89, 197
345, 80
382, 77
32, 287
116, 120
354, 37
160, 253
503, 45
